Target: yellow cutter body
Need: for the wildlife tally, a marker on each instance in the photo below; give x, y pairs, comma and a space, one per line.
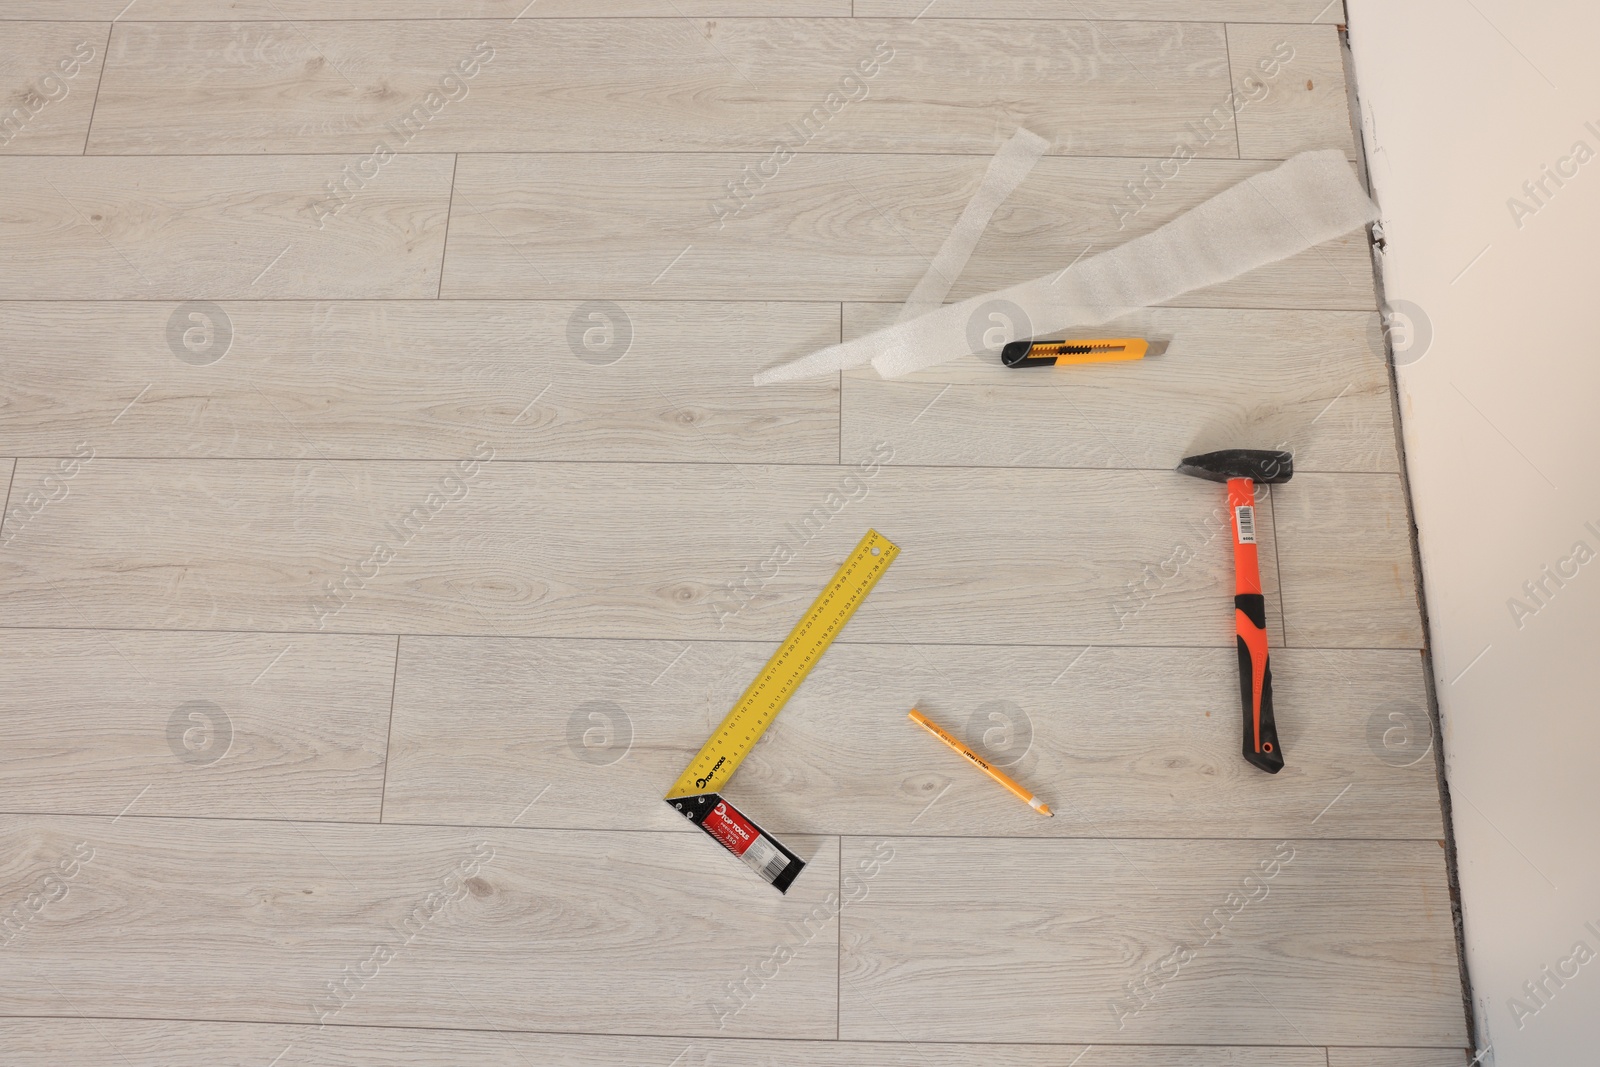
1072, 352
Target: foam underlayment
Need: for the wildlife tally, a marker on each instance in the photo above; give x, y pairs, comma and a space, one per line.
1311, 198
1013, 163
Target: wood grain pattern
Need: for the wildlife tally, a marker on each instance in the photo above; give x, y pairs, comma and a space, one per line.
1398, 1057
830, 227
498, 929
216, 229
419, 380
1130, 742
1305, 106
281, 10
465, 592
629, 551
1212, 10
244, 725
1347, 537
49, 72
1314, 382
1348, 941
46, 1042
576, 85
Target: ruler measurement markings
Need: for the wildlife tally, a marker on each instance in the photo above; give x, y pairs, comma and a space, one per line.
772, 687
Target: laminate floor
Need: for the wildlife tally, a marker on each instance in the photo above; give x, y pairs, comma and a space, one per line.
489, 281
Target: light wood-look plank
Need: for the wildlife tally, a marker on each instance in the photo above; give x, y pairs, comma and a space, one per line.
1305, 106
629, 551
578, 85
282, 10
1314, 382
830, 227
1129, 742
49, 72
496, 929
1346, 562
38, 490
1212, 10
980, 940
238, 227
1398, 1057
49, 1042
244, 725
419, 380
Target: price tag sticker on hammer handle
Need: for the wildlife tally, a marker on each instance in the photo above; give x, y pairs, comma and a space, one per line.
1244, 520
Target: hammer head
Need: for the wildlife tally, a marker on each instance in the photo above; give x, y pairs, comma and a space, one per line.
1262, 466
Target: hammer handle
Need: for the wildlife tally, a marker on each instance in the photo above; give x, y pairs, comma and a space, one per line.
1261, 746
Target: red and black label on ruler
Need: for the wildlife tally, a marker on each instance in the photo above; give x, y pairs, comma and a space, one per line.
761, 852
697, 794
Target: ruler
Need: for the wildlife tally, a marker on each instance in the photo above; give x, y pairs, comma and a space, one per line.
697, 794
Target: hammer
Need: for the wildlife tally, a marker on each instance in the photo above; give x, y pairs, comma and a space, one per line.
1242, 468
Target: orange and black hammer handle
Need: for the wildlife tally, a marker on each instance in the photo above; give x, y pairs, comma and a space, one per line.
1250, 628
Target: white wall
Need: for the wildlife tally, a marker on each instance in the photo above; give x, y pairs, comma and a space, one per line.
1463, 101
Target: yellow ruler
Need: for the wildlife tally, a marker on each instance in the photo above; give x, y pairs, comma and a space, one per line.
696, 793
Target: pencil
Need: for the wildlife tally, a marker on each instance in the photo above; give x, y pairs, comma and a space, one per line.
1033, 802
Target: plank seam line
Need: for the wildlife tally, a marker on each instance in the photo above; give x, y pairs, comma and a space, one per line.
1277, 564
740, 151
675, 830
838, 939
105, 61
1233, 101
823, 466
388, 738
841, 379
765, 641
6, 511
658, 1037
671, 18
668, 18
449, 212
820, 302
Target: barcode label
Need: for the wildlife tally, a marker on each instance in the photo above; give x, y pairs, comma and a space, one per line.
1245, 517
765, 859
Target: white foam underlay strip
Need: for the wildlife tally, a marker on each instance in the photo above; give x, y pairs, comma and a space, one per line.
1309, 199
1006, 171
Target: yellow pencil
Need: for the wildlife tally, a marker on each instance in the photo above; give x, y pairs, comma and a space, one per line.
1033, 802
